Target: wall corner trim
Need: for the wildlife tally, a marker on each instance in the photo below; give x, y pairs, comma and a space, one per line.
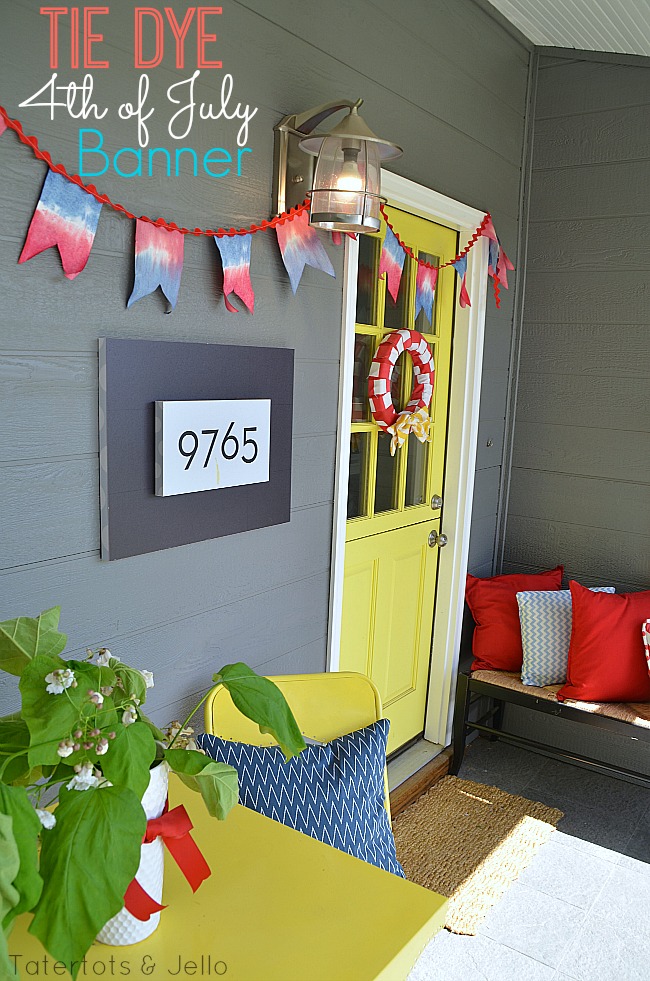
519, 299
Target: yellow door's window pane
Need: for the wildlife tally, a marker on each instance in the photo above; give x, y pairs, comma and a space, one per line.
387, 479
359, 449
367, 280
417, 467
363, 352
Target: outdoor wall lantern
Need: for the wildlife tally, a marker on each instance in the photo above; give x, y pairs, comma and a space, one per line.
345, 183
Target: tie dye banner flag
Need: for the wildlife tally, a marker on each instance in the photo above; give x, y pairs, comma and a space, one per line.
300, 246
66, 216
235, 251
460, 265
493, 258
498, 262
158, 261
425, 288
503, 267
391, 262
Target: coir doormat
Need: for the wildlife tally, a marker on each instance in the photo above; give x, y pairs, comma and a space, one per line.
469, 842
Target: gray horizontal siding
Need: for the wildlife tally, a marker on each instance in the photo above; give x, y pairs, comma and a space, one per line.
610, 136
612, 505
584, 86
188, 580
590, 243
590, 452
609, 190
584, 349
610, 296
584, 549
602, 401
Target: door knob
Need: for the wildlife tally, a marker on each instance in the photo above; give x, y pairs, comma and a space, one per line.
437, 539
436, 502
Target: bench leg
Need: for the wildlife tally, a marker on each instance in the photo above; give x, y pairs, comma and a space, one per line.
497, 719
461, 708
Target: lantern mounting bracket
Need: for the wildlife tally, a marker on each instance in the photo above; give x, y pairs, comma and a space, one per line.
293, 168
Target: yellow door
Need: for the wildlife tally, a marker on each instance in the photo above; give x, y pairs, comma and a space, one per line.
394, 503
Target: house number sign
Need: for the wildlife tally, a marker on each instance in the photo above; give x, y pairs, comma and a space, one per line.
207, 445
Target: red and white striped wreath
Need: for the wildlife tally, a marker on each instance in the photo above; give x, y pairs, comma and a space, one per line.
415, 417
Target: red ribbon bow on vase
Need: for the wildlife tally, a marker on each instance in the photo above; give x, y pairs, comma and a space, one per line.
174, 828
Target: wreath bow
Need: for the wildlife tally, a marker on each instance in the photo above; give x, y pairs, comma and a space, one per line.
417, 423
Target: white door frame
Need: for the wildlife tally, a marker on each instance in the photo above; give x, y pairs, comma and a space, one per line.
464, 398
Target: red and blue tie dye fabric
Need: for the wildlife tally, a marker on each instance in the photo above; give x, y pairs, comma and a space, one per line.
391, 262
158, 261
460, 265
503, 266
66, 216
235, 251
493, 260
300, 246
425, 288
498, 263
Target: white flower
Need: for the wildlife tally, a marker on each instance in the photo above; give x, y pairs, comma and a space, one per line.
181, 737
101, 747
106, 690
46, 818
148, 677
96, 697
66, 747
59, 681
104, 656
129, 715
84, 777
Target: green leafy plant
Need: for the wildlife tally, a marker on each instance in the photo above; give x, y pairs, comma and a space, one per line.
82, 740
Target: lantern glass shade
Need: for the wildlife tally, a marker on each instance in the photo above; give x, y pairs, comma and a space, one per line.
346, 187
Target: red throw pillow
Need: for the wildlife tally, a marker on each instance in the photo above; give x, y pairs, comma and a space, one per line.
493, 605
606, 657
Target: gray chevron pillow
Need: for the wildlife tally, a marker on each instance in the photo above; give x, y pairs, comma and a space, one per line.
545, 617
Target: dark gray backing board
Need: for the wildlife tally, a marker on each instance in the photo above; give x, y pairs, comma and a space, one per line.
132, 376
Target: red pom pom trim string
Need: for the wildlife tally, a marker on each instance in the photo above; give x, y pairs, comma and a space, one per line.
428, 265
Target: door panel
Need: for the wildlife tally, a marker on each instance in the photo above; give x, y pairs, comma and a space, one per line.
389, 581
390, 570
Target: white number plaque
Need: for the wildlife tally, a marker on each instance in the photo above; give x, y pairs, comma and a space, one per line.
208, 445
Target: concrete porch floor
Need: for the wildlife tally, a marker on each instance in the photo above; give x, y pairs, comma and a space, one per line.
581, 910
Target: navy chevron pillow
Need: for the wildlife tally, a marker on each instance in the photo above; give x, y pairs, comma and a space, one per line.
333, 792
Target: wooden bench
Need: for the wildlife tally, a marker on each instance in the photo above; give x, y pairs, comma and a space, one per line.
630, 720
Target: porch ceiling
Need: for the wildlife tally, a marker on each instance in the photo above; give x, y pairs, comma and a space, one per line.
622, 26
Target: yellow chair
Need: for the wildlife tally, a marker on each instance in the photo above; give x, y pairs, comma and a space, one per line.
325, 706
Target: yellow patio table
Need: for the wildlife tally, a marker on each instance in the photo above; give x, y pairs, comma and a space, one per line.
279, 906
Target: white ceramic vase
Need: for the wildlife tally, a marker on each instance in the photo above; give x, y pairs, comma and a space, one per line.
124, 928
